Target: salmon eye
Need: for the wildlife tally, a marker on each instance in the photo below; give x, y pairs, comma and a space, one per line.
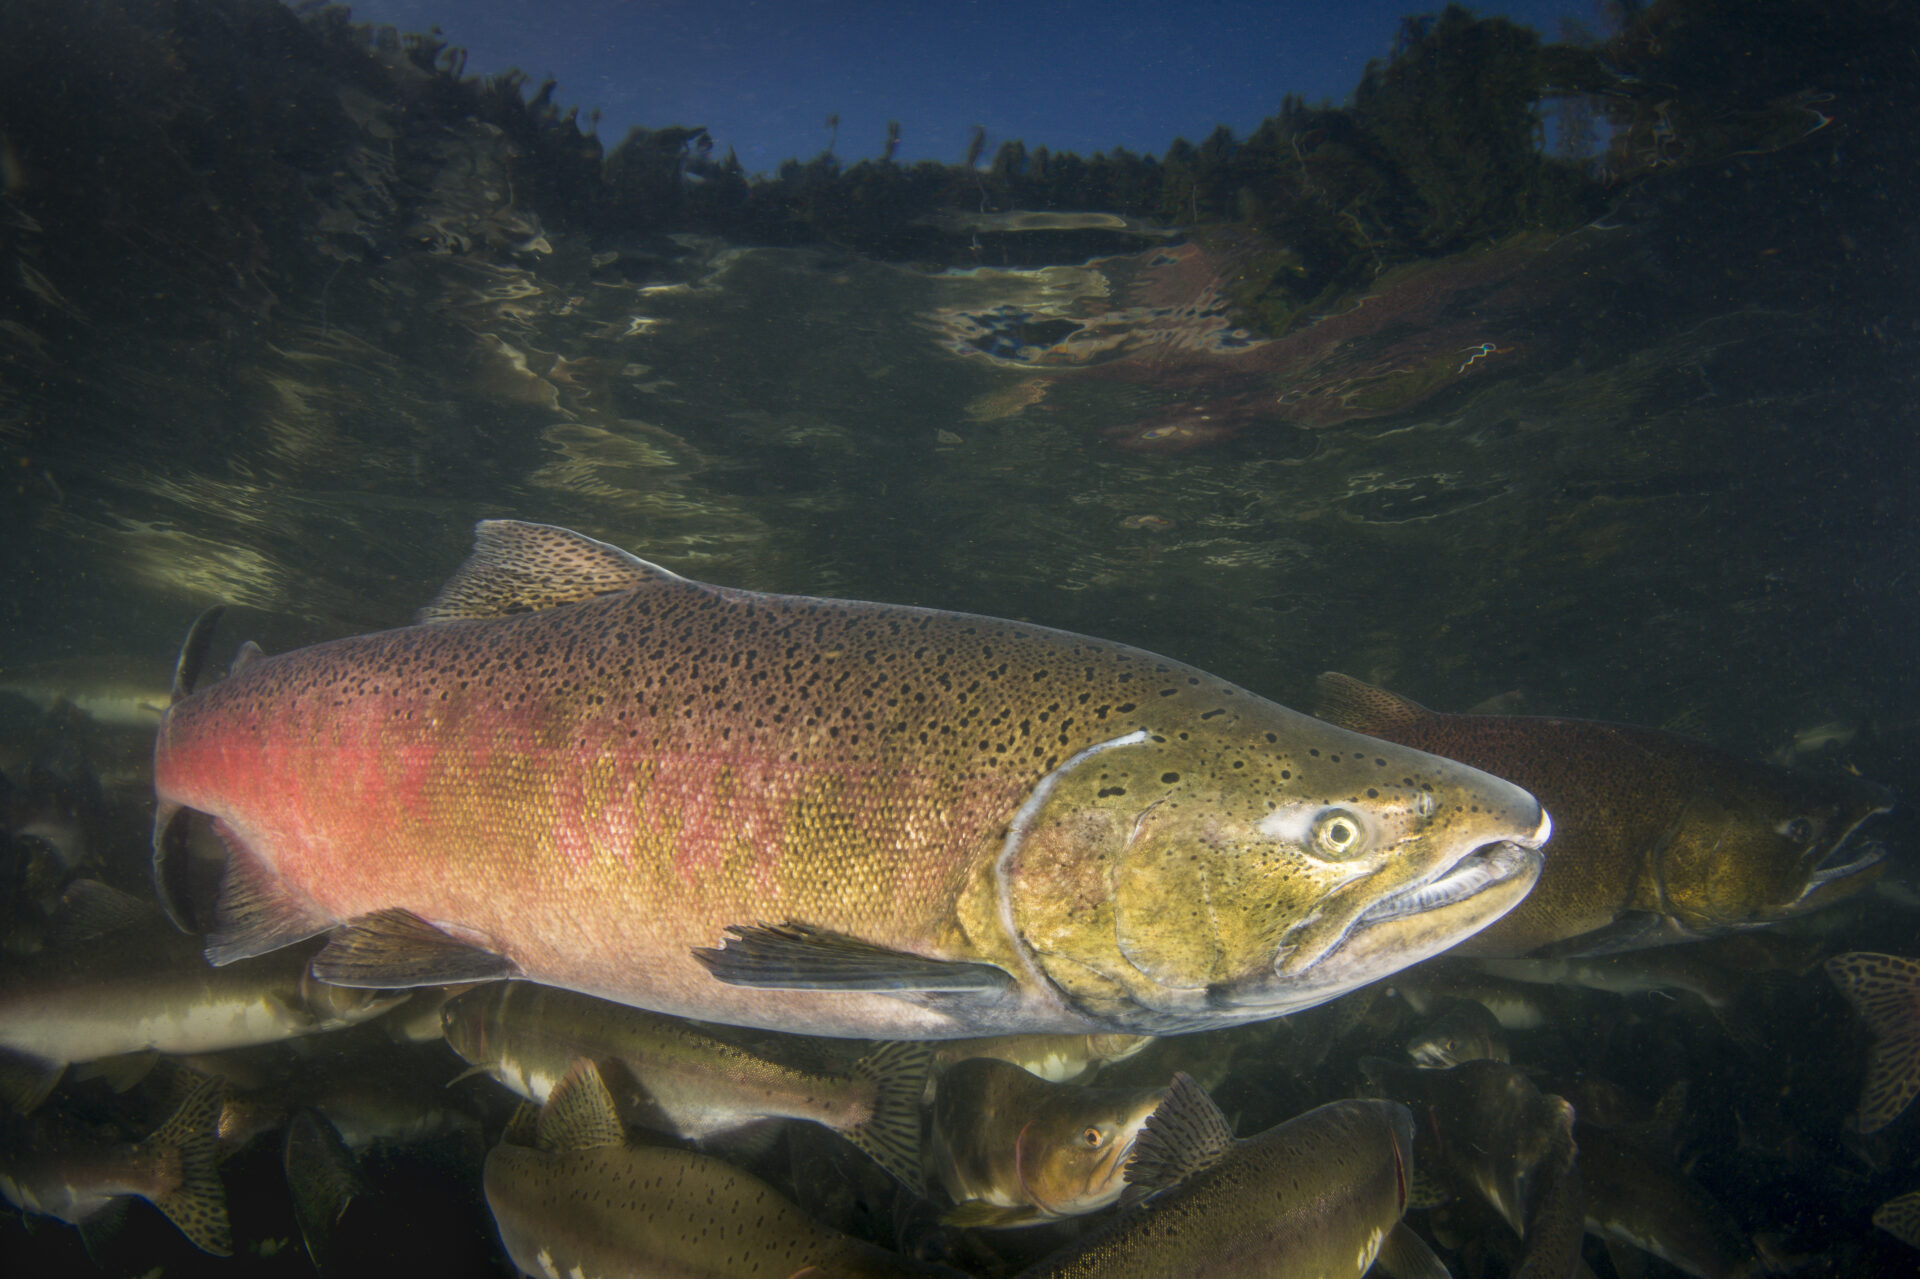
1091, 1136
1799, 830
1337, 833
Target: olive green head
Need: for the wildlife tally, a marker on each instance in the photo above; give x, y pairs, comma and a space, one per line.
1766, 846
1071, 1157
1227, 864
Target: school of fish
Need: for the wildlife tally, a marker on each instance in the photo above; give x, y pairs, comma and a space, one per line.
658, 863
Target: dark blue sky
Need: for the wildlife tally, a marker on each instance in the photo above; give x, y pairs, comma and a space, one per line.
1077, 75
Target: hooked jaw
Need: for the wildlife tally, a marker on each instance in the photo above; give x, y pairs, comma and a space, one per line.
1418, 921
1840, 870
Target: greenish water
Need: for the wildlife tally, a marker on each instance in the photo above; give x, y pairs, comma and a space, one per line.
1655, 466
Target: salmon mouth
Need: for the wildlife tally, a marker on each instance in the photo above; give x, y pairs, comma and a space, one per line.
1487, 868
1483, 869
1843, 870
1849, 857
1401, 929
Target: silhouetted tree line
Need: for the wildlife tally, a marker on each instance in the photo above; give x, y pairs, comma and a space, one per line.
195, 151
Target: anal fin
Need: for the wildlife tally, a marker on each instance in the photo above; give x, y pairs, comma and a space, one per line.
395, 949
801, 957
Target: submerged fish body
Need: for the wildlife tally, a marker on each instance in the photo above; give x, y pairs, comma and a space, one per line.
1488, 1129
1322, 1194
584, 1202
1634, 1197
1054, 1058
1657, 838
175, 1169
1013, 1149
688, 1083
822, 815
1465, 1030
143, 988
108, 691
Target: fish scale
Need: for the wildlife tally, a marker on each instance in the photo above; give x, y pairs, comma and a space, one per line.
590, 769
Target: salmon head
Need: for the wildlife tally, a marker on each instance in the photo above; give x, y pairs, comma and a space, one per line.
1246, 861
1071, 1156
1763, 844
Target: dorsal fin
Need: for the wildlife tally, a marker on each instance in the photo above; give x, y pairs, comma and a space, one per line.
1344, 700
246, 655
1186, 1134
516, 567
579, 1113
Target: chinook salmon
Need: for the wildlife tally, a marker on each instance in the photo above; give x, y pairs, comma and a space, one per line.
1658, 838
1013, 1149
818, 815
73, 1176
1323, 1194
583, 1202
127, 985
685, 1082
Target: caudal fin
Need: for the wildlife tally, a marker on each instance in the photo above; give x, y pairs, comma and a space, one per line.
1901, 1218
1885, 991
892, 1133
197, 1203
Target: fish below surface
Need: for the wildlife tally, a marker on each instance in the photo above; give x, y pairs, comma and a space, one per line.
1657, 838
814, 815
1322, 1196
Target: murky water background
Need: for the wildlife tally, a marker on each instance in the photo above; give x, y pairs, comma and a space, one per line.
1656, 468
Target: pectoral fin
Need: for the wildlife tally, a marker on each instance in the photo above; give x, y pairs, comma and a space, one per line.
394, 949
800, 957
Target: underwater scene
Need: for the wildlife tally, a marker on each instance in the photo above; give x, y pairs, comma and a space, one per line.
1337, 699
